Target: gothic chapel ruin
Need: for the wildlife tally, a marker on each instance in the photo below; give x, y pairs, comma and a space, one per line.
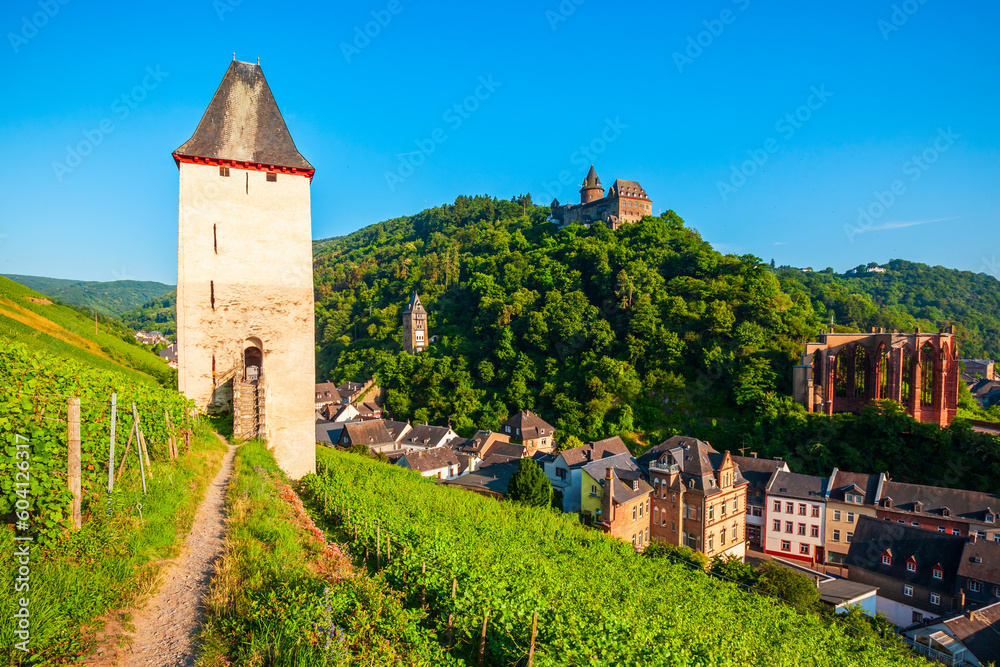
244, 270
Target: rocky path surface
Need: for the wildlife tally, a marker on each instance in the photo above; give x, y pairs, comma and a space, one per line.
165, 628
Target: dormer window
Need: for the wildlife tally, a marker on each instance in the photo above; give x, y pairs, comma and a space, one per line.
887, 557
887, 502
911, 565
918, 506
990, 517
937, 572
945, 511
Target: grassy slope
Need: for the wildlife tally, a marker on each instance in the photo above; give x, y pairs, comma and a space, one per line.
108, 298
25, 316
112, 563
276, 599
598, 602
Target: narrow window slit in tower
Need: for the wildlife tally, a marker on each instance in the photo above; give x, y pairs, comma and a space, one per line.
215, 238
248, 182
211, 289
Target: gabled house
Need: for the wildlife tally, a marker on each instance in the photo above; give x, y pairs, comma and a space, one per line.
440, 462
758, 473
397, 429
486, 443
625, 506
916, 571
592, 487
699, 497
564, 471
532, 431
372, 433
795, 516
952, 511
491, 478
961, 638
326, 393
427, 437
979, 572
849, 495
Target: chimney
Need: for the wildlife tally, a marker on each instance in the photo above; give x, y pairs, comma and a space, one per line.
753, 455
607, 502
970, 614
972, 536
961, 599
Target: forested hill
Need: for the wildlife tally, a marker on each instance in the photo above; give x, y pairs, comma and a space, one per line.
907, 296
602, 332
112, 298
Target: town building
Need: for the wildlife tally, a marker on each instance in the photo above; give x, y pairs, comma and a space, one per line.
491, 478
699, 497
534, 432
849, 495
440, 463
971, 637
953, 511
979, 572
916, 571
625, 201
245, 316
591, 488
795, 514
843, 372
625, 506
424, 436
758, 473
977, 369
490, 443
415, 330
372, 433
564, 471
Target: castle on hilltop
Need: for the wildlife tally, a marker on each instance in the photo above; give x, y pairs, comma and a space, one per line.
625, 201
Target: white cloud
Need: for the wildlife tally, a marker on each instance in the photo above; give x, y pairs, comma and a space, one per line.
900, 224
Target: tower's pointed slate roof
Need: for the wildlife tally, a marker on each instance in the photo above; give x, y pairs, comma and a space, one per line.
243, 123
414, 306
592, 181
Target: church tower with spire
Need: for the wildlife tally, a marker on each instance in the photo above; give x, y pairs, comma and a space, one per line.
244, 270
415, 336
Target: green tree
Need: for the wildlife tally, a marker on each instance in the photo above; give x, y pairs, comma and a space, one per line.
530, 485
787, 584
674, 553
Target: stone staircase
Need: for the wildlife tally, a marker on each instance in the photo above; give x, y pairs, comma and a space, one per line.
248, 408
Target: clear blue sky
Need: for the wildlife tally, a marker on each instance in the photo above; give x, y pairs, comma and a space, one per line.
676, 116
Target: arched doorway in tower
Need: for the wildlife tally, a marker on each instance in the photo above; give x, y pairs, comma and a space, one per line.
253, 360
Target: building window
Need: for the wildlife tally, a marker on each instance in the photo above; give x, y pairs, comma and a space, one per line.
736, 504
673, 527
789, 508
647, 535
647, 508
593, 489
886, 559
802, 509
711, 512
836, 536
956, 531
711, 542
640, 510
941, 529
673, 497
935, 598
633, 541
850, 517
908, 590
815, 511
724, 504
836, 515
777, 506
802, 529
804, 549
915, 524
976, 586
634, 508
814, 531
900, 521
777, 525
850, 536
223, 171
911, 565
722, 537
756, 511
789, 527
786, 545
656, 515
937, 573
917, 617
272, 177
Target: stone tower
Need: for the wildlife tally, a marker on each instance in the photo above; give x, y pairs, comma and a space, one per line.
244, 270
414, 326
592, 189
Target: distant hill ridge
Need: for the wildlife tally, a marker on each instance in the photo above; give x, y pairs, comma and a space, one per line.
111, 298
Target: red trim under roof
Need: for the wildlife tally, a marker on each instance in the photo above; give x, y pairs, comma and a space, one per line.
239, 164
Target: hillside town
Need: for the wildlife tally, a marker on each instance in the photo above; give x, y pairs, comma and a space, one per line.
925, 558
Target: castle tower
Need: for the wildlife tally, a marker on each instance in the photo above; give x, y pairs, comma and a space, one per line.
415, 326
244, 270
592, 189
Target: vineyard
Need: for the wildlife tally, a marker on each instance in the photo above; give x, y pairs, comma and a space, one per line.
486, 570
76, 576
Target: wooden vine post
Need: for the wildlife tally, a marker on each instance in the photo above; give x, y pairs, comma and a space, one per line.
423, 584
451, 616
73, 458
482, 639
143, 452
111, 446
534, 633
378, 547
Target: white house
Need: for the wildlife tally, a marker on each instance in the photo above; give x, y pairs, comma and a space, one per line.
795, 512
